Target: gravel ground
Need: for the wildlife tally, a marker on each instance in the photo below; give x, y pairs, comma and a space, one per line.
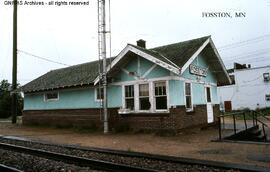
138, 162
31, 163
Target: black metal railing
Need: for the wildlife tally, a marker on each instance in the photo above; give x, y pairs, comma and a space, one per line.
243, 115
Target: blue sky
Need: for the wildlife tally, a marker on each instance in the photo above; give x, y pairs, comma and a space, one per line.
68, 34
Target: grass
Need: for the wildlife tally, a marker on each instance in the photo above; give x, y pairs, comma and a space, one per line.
248, 114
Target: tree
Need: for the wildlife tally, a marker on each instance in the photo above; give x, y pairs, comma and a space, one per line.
5, 100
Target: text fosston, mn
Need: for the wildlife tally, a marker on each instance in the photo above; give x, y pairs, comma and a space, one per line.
223, 14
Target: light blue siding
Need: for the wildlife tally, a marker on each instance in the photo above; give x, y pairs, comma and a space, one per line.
114, 96
158, 72
176, 92
140, 66
198, 93
73, 99
144, 65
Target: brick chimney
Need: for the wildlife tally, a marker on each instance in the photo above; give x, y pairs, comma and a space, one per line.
141, 43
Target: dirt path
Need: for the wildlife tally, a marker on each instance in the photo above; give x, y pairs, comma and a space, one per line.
192, 143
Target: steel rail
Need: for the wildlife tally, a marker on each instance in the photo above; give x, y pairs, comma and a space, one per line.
170, 159
96, 164
4, 168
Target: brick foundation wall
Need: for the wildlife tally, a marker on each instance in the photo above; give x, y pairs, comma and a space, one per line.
177, 119
62, 118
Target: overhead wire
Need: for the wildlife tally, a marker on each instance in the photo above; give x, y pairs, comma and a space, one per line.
251, 53
245, 42
42, 58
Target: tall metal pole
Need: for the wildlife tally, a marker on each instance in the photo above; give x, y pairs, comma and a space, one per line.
102, 43
14, 67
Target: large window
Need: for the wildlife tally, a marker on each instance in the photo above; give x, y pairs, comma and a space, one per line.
188, 96
99, 94
160, 95
51, 96
129, 97
144, 102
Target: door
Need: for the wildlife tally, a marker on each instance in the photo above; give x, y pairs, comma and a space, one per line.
228, 106
209, 107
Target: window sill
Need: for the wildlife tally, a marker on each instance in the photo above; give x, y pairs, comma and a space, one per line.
190, 110
51, 100
144, 112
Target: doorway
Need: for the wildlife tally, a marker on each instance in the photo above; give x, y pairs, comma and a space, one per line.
209, 107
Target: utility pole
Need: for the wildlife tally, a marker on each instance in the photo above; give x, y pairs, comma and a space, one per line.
14, 67
102, 55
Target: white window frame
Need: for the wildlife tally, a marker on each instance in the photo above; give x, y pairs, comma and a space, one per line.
48, 100
191, 95
151, 97
149, 90
124, 95
96, 93
154, 96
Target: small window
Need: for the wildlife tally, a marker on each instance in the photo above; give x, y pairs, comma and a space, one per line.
188, 96
267, 97
208, 95
266, 77
129, 97
160, 95
144, 97
51, 96
99, 94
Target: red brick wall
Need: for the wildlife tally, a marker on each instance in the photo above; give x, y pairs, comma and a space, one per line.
178, 118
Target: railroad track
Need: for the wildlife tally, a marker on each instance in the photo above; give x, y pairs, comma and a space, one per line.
4, 168
95, 164
112, 160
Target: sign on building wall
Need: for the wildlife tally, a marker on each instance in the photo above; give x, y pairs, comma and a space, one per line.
196, 70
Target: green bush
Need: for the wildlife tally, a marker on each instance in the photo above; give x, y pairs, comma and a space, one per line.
5, 100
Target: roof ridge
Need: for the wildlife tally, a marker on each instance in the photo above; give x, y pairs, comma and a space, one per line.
179, 42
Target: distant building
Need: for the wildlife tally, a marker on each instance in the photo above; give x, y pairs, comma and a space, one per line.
167, 87
250, 88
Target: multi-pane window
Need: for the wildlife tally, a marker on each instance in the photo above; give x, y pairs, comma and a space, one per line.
188, 95
144, 97
160, 95
51, 96
129, 97
99, 94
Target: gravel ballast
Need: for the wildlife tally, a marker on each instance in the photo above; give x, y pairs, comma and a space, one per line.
31, 163
134, 161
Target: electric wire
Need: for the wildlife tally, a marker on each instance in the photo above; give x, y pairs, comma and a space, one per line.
248, 54
42, 58
245, 42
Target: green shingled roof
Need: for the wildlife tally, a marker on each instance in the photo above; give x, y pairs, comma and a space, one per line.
179, 53
84, 74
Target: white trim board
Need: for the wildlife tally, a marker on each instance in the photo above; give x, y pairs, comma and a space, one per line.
163, 78
149, 70
193, 57
219, 58
142, 54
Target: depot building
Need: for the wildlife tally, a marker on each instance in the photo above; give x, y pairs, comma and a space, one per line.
168, 87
